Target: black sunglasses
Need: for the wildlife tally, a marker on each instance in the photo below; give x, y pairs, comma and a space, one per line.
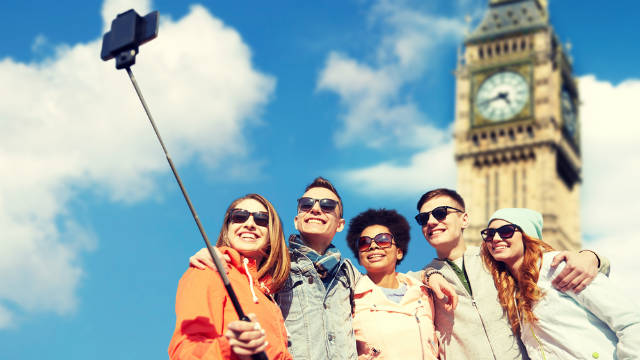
505, 232
306, 203
261, 218
439, 213
383, 240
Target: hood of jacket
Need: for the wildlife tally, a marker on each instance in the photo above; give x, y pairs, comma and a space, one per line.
238, 261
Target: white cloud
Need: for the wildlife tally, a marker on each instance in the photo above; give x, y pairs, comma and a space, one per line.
72, 122
376, 112
426, 170
611, 154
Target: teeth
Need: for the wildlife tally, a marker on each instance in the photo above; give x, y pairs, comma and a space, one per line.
315, 221
248, 236
375, 256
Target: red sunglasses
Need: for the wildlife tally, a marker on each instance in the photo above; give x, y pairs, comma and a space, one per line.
383, 240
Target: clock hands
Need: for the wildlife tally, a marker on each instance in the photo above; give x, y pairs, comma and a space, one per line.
503, 95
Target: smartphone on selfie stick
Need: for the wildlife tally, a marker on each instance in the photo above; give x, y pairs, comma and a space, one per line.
128, 31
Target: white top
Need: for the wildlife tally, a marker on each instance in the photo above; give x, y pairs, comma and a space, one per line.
597, 323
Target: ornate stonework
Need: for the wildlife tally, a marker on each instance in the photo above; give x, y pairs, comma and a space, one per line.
517, 130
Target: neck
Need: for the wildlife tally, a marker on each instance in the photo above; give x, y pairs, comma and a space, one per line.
385, 280
452, 253
514, 268
320, 245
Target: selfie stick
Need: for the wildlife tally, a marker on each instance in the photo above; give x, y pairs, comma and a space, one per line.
127, 26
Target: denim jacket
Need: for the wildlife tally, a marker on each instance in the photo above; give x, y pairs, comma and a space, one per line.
318, 320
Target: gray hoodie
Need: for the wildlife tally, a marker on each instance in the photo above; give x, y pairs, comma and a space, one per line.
478, 328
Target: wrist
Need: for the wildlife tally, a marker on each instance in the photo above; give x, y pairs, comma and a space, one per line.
594, 254
428, 274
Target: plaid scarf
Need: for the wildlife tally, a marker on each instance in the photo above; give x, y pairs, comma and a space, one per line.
326, 265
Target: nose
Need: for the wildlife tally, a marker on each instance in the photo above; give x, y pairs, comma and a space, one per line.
250, 222
316, 207
432, 221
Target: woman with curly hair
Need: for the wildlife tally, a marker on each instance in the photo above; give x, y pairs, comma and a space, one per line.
595, 323
393, 313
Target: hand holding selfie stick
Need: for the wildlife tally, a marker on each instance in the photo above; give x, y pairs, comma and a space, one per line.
128, 31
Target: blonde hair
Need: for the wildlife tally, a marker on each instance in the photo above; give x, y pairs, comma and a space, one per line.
277, 263
518, 295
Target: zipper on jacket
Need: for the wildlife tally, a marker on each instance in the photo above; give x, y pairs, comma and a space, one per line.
420, 332
475, 305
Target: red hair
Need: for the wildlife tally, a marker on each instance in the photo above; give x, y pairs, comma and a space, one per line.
518, 294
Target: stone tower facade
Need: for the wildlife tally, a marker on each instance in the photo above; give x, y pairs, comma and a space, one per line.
517, 129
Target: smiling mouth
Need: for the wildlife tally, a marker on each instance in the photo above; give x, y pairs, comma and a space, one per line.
248, 236
375, 257
315, 221
436, 232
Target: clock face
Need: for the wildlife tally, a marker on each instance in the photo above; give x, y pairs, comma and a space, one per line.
568, 113
502, 96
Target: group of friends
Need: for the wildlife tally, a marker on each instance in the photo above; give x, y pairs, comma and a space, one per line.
513, 297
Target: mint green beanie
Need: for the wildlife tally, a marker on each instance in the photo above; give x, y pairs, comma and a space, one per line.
530, 221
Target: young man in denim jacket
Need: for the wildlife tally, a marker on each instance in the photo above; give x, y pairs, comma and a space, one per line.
316, 300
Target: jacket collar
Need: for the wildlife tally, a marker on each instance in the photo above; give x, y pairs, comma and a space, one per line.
237, 262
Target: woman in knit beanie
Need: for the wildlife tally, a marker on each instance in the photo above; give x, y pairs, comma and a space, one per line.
554, 325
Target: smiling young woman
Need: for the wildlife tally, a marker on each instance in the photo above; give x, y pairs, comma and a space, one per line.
553, 324
207, 325
379, 239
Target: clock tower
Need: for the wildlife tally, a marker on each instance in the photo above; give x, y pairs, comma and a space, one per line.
517, 129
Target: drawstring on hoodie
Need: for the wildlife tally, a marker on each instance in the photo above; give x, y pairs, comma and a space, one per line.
246, 268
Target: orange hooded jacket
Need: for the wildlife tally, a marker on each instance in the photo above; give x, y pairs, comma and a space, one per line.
203, 310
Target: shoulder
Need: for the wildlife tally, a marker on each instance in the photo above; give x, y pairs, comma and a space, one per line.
546, 270
196, 282
409, 280
472, 251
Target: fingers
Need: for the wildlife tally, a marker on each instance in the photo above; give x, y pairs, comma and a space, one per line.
193, 261
246, 337
438, 293
452, 296
578, 273
562, 256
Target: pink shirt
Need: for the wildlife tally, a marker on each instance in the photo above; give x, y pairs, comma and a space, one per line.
388, 330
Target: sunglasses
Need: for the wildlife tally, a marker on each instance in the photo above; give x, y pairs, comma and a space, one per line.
306, 203
439, 213
383, 240
505, 232
239, 216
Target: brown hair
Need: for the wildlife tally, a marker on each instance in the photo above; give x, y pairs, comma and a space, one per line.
441, 192
518, 295
324, 183
277, 263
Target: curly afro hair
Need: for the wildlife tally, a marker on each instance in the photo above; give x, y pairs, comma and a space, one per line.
396, 223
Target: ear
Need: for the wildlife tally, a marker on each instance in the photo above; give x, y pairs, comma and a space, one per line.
340, 225
399, 254
465, 220
295, 222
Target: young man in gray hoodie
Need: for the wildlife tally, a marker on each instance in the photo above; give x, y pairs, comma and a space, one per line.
478, 328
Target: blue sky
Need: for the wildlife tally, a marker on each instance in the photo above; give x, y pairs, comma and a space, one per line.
250, 97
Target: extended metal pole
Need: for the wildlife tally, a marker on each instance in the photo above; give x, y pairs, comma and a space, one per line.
216, 260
